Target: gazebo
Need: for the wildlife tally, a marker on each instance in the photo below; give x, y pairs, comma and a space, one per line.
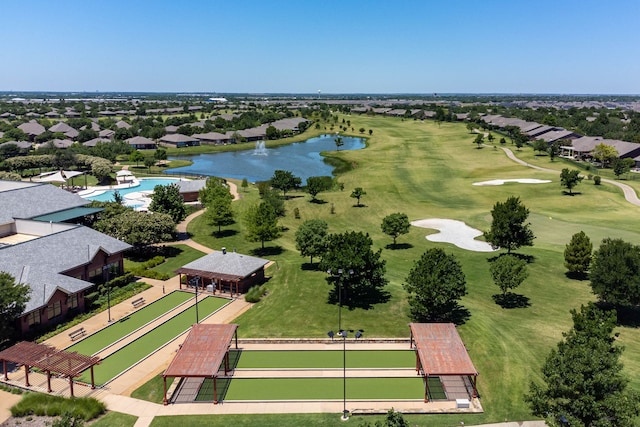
441, 352
48, 359
201, 355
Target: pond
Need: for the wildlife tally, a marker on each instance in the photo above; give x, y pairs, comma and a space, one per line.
303, 159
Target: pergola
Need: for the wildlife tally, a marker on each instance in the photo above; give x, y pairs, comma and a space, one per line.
202, 353
48, 359
441, 352
221, 278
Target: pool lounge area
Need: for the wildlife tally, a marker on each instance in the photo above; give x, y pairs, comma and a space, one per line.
136, 192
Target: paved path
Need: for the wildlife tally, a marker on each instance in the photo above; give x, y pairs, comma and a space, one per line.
629, 193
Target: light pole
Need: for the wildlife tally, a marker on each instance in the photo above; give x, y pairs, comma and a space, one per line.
105, 271
194, 282
345, 412
338, 277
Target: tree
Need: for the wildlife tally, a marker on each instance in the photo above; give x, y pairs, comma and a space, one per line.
167, 199
395, 224
273, 198
311, 238
478, 140
503, 141
148, 162
214, 189
540, 145
583, 378
615, 272
262, 223
604, 153
578, 253
622, 166
361, 130
245, 184
508, 272
137, 228
136, 156
357, 193
553, 150
470, 127
13, 299
435, 284
570, 178
316, 184
508, 228
362, 280
339, 142
219, 212
160, 154
370, 132
490, 137
284, 181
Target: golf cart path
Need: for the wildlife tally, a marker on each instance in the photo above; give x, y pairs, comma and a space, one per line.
629, 193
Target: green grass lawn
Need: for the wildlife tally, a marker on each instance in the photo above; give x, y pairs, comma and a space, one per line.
313, 389
185, 255
427, 170
121, 328
132, 353
324, 359
115, 419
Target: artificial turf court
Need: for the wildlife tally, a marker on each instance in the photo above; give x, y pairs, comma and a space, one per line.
406, 388
134, 352
123, 327
316, 359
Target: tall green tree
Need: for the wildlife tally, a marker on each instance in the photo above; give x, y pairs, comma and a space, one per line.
311, 238
479, 140
435, 284
578, 253
262, 223
540, 145
583, 381
604, 153
285, 181
570, 178
167, 199
13, 299
622, 166
357, 193
137, 228
553, 150
395, 224
136, 157
317, 184
615, 272
509, 229
508, 272
339, 142
219, 212
362, 281
214, 189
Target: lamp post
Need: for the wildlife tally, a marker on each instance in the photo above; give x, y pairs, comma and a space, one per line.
105, 271
194, 282
338, 277
345, 412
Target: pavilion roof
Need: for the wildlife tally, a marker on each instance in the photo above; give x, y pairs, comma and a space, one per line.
441, 350
202, 352
48, 358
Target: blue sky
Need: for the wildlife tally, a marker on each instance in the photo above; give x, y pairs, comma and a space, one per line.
302, 46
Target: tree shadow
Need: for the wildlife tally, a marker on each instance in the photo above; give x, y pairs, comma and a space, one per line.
267, 251
318, 201
460, 315
361, 205
511, 300
145, 253
526, 258
576, 276
307, 266
398, 246
365, 299
224, 233
573, 193
626, 316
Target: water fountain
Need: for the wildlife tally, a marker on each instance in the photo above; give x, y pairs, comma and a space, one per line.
260, 149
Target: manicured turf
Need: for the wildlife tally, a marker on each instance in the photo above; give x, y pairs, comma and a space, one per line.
314, 388
326, 359
123, 327
132, 353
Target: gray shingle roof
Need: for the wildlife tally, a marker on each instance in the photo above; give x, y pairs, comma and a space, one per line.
231, 263
191, 186
28, 200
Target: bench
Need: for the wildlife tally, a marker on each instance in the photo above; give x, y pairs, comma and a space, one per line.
76, 334
138, 302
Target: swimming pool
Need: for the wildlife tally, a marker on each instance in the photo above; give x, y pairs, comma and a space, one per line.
144, 185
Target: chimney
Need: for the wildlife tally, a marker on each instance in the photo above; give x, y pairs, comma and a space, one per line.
224, 251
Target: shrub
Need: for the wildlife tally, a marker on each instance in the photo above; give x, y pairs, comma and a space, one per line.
255, 293
296, 213
597, 179
85, 408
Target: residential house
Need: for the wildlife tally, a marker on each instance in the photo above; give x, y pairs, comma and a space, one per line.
64, 128
211, 138
32, 128
141, 143
179, 140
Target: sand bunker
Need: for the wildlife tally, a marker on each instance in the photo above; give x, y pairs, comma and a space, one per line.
520, 181
456, 232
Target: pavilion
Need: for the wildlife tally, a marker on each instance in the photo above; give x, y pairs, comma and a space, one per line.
440, 352
47, 359
201, 355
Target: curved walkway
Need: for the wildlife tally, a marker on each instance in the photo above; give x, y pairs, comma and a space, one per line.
630, 194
